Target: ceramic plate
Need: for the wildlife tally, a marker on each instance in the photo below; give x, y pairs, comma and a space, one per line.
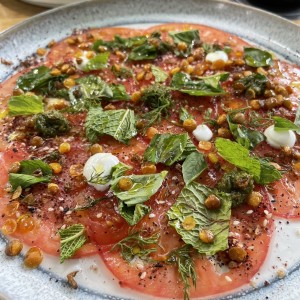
264, 29
50, 3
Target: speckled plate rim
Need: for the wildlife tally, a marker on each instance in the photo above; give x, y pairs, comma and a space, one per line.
20, 41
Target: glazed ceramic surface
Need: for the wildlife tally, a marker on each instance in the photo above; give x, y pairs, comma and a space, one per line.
266, 30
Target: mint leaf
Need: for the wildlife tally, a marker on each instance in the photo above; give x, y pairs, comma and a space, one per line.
119, 92
189, 37
204, 86
159, 74
34, 79
120, 43
184, 114
120, 124
193, 166
143, 52
71, 239
246, 137
238, 156
166, 148
25, 105
257, 58
262, 171
97, 63
133, 214
282, 124
144, 186
190, 203
31, 172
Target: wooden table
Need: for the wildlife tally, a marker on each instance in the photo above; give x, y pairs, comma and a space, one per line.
14, 11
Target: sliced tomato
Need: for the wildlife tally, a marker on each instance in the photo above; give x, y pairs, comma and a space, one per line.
248, 230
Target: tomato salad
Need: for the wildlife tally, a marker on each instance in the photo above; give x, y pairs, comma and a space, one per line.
166, 151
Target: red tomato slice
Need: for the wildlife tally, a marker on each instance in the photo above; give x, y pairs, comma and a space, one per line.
163, 280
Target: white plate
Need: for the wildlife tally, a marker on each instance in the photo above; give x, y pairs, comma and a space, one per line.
50, 3
17, 43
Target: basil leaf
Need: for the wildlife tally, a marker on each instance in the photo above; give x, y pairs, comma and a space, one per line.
97, 63
71, 239
31, 172
159, 74
246, 137
189, 37
34, 79
190, 203
282, 124
184, 114
257, 58
256, 82
120, 43
25, 105
119, 92
144, 186
133, 214
120, 124
143, 52
166, 148
204, 86
240, 157
193, 166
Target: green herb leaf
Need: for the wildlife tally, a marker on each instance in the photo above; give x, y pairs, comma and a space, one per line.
90, 203
193, 166
120, 124
268, 173
238, 156
51, 124
97, 63
119, 92
166, 148
136, 240
120, 43
34, 79
122, 72
190, 203
189, 37
246, 137
159, 74
256, 82
204, 86
25, 105
133, 214
282, 124
71, 239
208, 48
143, 52
31, 172
144, 186
184, 114
262, 171
186, 267
257, 58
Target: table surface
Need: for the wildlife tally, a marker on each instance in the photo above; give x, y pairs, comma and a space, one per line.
14, 11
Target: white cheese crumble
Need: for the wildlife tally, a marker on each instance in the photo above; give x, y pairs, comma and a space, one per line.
217, 55
278, 139
202, 133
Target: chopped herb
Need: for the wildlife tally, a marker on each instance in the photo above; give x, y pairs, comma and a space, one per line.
25, 105
71, 239
186, 267
184, 114
137, 240
90, 203
51, 124
208, 48
255, 82
122, 72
